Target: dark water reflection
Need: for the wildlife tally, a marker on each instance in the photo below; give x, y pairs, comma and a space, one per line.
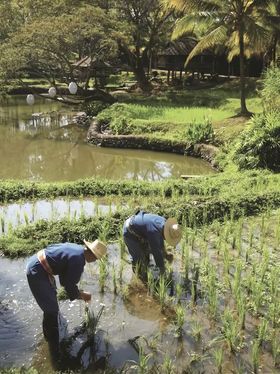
45, 148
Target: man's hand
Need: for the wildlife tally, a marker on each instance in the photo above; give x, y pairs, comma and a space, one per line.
86, 296
169, 256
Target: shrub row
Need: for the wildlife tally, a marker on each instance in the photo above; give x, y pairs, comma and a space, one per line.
213, 185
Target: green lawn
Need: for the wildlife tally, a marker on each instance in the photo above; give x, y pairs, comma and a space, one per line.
173, 110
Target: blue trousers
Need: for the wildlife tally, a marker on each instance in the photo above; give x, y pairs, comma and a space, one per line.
139, 252
44, 293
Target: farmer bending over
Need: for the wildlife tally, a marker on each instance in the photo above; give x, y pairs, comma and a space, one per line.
67, 260
144, 233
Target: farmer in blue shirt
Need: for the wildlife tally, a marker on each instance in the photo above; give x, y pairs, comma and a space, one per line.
144, 233
67, 260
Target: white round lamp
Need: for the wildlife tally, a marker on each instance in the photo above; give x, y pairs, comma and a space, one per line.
52, 91
73, 88
30, 99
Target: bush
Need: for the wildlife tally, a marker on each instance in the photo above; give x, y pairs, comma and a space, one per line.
114, 111
259, 145
270, 92
92, 109
200, 132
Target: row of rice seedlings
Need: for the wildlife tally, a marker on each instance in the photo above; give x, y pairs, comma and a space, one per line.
253, 282
103, 272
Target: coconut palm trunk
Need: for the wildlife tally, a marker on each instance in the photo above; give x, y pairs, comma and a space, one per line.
244, 110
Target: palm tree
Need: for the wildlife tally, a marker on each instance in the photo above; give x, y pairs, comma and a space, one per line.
271, 20
235, 24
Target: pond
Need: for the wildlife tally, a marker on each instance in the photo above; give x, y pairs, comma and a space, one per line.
41, 143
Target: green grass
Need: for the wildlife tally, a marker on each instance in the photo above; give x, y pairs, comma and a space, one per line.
171, 110
178, 115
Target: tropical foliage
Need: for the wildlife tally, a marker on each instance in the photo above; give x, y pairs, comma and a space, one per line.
234, 24
259, 145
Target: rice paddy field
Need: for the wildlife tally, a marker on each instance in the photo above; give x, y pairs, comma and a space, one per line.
217, 310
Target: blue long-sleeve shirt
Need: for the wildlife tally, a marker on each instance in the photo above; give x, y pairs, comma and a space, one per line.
67, 260
150, 228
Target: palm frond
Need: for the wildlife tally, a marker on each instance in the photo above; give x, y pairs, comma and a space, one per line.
217, 36
257, 35
193, 5
192, 23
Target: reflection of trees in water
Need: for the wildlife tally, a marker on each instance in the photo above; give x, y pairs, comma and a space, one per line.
66, 157
121, 166
44, 159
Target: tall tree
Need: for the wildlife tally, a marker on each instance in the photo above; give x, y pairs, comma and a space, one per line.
235, 24
144, 25
271, 19
48, 47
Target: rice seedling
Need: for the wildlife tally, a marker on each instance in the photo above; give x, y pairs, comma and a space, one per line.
262, 331
161, 291
237, 278
250, 246
186, 263
257, 290
2, 220
275, 348
196, 330
103, 272
277, 234
274, 311
179, 321
33, 210
104, 231
150, 282
90, 324
142, 366
194, 285
26, 218
10, 227
120, 273
114, 275
255, 356
167, 366
18, 218
179, 292
219, 359
230, 331
125, 292
241, 309
122, 244
264, 263
97, 210
212, 290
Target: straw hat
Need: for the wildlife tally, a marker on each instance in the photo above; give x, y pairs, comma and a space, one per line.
172, 232
97, 248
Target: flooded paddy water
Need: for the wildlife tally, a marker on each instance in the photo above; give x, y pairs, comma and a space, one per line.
220, 313
18, 214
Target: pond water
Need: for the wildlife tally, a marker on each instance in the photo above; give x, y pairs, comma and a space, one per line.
40, 143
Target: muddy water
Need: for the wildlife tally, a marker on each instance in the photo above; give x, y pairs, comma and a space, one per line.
39, 143
127, 315
20, 318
